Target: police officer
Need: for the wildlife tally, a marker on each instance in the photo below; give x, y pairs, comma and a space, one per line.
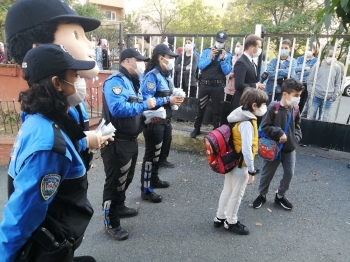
122, 106
48, 210
157, 83
215, 64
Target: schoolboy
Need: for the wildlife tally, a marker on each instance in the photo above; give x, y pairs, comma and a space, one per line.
273, 125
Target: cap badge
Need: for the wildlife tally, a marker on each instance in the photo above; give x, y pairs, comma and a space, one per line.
24, 65
221, 35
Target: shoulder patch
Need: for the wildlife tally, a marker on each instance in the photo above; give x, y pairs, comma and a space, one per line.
117, 90
150, 86
49, 185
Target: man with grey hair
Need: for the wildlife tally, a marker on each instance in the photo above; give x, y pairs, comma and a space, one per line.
322, 88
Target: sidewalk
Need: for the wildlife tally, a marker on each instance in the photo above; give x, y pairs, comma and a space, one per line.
181, 227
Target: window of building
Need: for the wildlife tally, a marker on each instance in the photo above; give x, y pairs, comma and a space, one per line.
110, 15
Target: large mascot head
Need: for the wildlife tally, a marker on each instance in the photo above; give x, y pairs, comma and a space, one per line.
32, 22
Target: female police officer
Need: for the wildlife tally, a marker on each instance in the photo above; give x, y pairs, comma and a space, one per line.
157, 83
48, 210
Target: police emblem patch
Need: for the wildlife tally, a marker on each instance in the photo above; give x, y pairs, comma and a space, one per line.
49, 185
221, 35
150, 86
117, 90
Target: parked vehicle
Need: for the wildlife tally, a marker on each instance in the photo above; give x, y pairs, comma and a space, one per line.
346, 90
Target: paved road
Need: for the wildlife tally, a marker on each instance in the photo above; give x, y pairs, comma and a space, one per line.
181, 227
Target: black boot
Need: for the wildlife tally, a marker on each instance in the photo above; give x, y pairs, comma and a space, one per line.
125, 211
118, 233
157, 183
166, 163
195, 133
151, 196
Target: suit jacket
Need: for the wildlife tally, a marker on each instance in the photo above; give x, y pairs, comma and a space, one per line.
245, 76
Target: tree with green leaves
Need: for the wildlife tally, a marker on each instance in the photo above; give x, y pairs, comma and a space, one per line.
4, 6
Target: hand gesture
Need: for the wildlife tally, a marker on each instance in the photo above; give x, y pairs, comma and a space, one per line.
151, 102
261, 86
283, 138
176, 100
213, 53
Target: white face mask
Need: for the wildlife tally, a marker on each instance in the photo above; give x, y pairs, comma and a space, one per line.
260, 111
238, 51
80, 92
170, 65
219, 45
329, 60
294, 101
284, 52
188, 47
140, 67
308, 54
257, 53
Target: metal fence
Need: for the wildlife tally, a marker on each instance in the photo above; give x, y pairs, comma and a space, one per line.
10, 113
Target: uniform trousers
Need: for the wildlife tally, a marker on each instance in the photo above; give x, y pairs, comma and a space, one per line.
119, 160
231, 196
269, 170
216, 94
158, 141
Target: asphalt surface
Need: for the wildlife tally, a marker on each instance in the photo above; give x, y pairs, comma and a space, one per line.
181, 227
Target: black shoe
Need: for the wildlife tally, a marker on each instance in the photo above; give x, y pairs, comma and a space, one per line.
152, 197
125, 211
167, 164
218, 222
118, 233
159, 184
195, 133
84, 259
259, 201
237, 228
283, 202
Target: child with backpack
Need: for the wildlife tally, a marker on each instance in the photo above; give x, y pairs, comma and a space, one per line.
273, 125
245, 140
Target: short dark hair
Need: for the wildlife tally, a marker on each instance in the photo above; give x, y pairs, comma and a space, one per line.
147, 39
291, 84
251, 40
287, 42
251, 96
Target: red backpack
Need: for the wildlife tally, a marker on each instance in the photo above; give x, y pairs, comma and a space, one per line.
220, 151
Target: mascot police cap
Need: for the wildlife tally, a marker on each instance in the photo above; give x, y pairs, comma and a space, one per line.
25, 14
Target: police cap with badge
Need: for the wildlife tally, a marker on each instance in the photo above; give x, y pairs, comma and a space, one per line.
221, 36
49, 59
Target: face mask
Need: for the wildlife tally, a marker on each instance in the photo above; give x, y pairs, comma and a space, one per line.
80, 92
260, 111
188, 47
257, 53
170, 65
294, 101
140, 68
329, 60
219, 45
238, 51
308, 54
284, 52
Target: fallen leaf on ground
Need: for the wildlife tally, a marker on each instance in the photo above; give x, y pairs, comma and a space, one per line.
269, 210
258, 224
307, 219
313, 172
185, 180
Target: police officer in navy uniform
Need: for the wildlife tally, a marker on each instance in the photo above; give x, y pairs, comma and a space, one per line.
122, 106
48, 211
157, 83
215, 64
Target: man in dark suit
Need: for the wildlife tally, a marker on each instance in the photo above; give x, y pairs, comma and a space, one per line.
245, 69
